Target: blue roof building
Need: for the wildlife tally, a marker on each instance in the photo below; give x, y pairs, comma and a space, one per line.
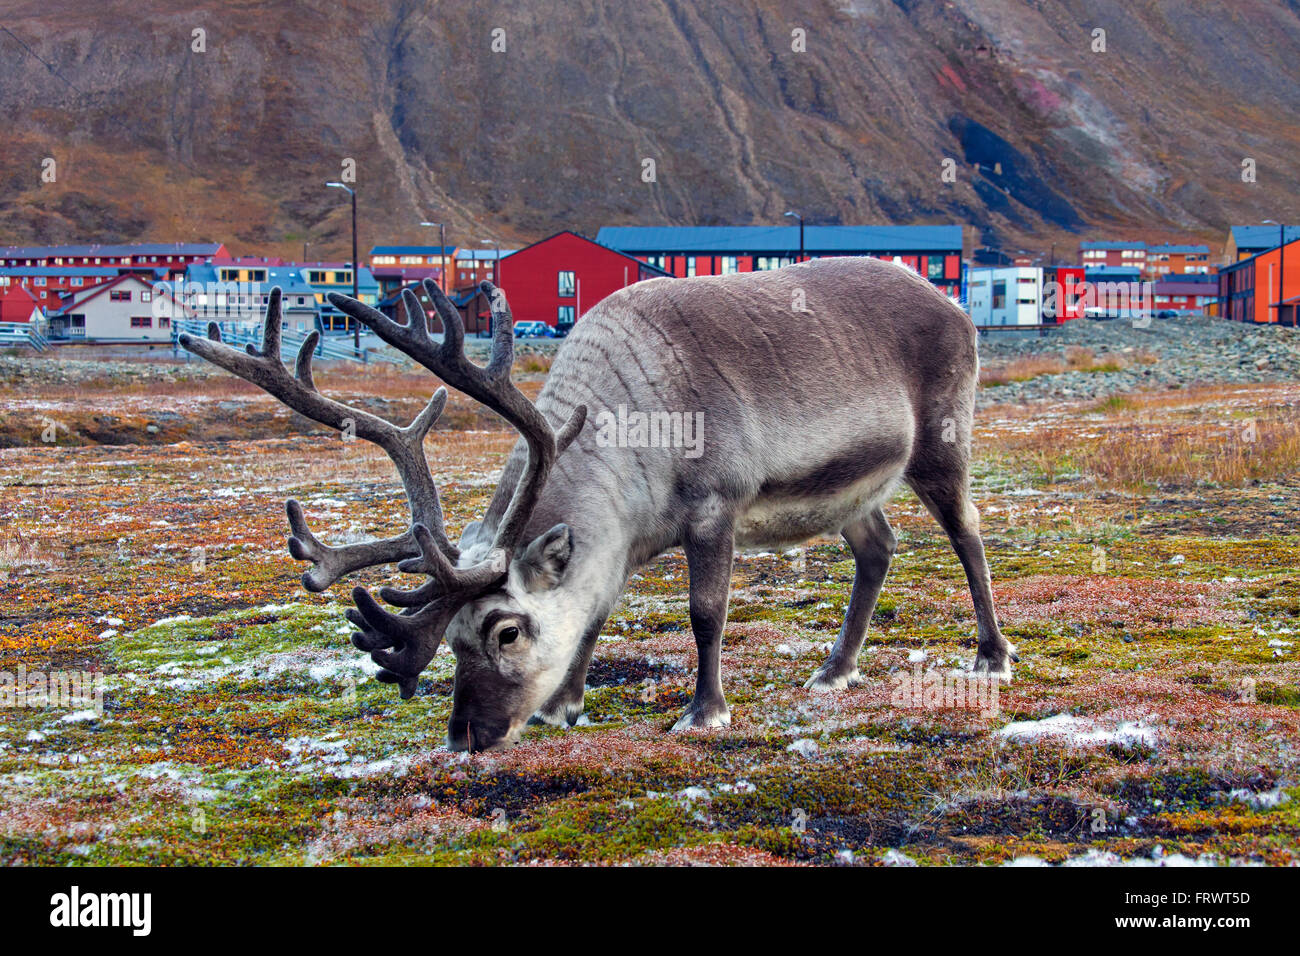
684, 251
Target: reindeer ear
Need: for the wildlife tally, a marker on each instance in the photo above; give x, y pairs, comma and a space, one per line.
470, 535
543, 562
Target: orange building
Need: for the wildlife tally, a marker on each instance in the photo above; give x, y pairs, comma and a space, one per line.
1249, 289
1177, 260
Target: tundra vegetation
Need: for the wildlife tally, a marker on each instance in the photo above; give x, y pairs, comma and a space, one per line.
1144, 558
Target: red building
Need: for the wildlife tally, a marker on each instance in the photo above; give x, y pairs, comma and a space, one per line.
1068, 288
1185, 293
1113, 255
172, 257
50, 285
559, 279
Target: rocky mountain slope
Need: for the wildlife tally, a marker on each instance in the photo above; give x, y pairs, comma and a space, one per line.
744, 117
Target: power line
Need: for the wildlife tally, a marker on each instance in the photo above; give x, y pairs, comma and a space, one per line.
49, 66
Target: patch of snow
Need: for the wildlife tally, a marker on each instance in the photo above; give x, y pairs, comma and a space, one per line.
1078, 732
1260, 801
894, 857
804, 747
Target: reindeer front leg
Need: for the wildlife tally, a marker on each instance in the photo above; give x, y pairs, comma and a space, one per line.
564, 707
709, 548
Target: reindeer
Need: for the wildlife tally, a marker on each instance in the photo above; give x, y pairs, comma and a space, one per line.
822, 386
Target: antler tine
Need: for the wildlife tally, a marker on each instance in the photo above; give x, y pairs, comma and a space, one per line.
444, 577
330, 563
405, 446
270, 330
490, 385
412, 637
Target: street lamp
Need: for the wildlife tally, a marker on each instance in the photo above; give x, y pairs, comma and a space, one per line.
442, 250
356, 326
1281, 267
800, 218
496, 263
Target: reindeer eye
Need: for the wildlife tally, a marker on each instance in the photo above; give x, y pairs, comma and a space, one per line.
507, 635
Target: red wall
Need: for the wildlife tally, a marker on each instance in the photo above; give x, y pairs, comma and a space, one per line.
1071, 279
530, 277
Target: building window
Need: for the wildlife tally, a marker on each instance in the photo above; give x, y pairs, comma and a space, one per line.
116, 296
690, 266
146, 296
567, 284
78, 321
39, 280
934, 267
164, 322
1000, 294
564, 315
76, 280
142, 322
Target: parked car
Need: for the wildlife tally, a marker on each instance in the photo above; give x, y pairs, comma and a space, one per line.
562, 329
533, 330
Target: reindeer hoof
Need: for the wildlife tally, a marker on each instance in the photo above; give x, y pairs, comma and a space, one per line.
996, 662
705, 717
562, 715
828, 678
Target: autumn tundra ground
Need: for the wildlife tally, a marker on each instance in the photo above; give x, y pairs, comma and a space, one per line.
1144, 554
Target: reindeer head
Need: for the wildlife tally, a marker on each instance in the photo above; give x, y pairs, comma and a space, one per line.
495, 596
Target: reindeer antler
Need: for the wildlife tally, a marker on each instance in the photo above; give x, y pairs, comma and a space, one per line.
490, 385
403, 644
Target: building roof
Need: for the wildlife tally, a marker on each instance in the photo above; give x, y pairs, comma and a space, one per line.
406, 272
120, 249
1180, 285
288, 278
482, 255
412, 250
1108, 244
1262, 237
17, 304
1179, 250
1115, 271
107, 272
617, 252
1250, 259
779, 239
83, 296
247, 261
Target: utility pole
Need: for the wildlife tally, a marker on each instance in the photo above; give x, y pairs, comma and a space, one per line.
442, 251
800, 218
356, 269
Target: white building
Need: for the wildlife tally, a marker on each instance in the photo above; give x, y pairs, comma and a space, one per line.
1011, 295
125, 309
